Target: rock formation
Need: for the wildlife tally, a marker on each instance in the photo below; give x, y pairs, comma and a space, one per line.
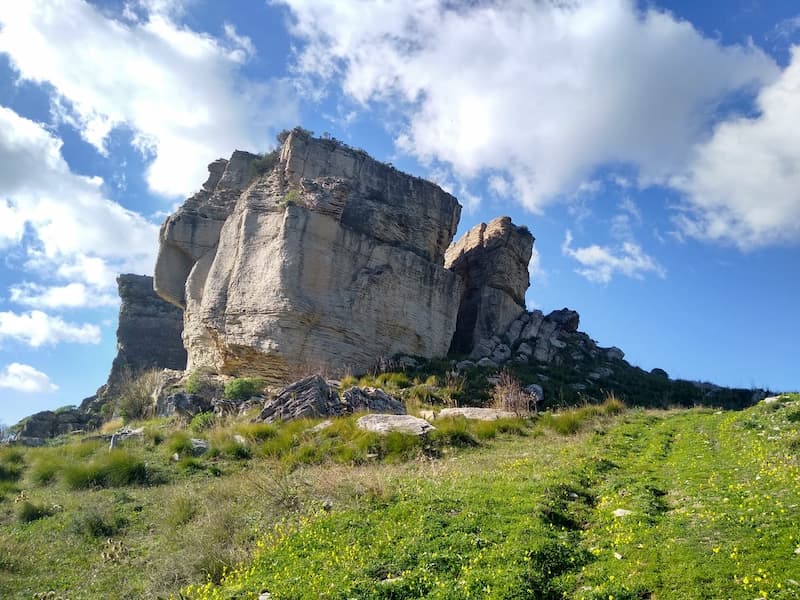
149, 330
314, 397
148, 336
492, 259
326, 259
48, 424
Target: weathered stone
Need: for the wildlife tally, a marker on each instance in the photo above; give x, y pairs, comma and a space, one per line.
483, 347
515, 329
524, 348
487, 363
384, 424
371, 399
148, 337
501, 354
614, 353
183, 405
478, 414
531, 329
199, 446
314, 397
578, 387
49, 424
566, 319
464, 365
492, 259
660, 373
330, 259
124, 433
557, 343
600, 373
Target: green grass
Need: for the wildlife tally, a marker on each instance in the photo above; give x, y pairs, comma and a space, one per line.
505, 509
704, 507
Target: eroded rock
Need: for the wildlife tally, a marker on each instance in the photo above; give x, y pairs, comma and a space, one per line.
384, 424
492, 259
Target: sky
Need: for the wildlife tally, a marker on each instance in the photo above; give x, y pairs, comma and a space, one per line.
652, 147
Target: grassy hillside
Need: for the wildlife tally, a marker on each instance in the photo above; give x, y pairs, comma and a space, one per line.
585, 504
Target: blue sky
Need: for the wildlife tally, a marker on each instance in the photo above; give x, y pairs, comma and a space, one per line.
653, 149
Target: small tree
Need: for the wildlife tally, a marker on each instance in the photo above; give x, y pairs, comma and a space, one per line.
134, 399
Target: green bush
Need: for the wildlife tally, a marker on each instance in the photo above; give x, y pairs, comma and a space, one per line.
202, 422
92, 523
179, 443
134, 394
28, 511
263, 164
115, 469
12, 463
243, 388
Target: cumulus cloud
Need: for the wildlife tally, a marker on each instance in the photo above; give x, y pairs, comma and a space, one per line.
72, 295
179, 91
743, 184
599, 264
36, 328
24, 378
537, 94
71, 231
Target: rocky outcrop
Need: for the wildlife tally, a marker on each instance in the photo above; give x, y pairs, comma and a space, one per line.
329, 258
149, 330
492, 259
149, 336
315, 397
49, 424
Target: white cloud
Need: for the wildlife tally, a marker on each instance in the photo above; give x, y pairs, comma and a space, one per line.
24, 378
601, 263
36, 328
72, 295
75, 233
178, 90
743, 185
538, 94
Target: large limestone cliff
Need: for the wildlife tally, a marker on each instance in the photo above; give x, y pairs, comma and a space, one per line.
328, 259
492, 259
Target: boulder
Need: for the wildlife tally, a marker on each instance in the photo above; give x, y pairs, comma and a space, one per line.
524, 348
329, 259
536, 391
531, 329
565, 319
384, 424
501, 354
183, 405
371, 399
614, 353
315, 397
464, 365
492, 259
478, 414
487, 363
49, 424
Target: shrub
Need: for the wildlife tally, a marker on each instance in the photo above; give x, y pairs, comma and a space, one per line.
93, 523
12, 463
257, 432
115, 469
243, 388
179, 443
612, 405
203, 421
135, 394
263, 164
28, 511
509, 395
45, 470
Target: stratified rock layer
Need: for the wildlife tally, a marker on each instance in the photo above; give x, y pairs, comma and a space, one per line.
492, 259
149, 330
329, 259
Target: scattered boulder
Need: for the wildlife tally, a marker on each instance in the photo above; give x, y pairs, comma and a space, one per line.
183, 405
478, 414
614, 353
371, 399
124, 433
501, 353
660, 373
492, 259
600, 373
383, 424
464, 365
49, 424
315, 397
487, 363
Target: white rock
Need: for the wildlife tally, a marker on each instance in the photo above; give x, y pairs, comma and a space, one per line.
478, 414
384, 424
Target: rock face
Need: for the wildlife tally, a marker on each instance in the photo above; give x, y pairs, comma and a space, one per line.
492, 259
48, 424
314, 397
329, 258
149, 331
